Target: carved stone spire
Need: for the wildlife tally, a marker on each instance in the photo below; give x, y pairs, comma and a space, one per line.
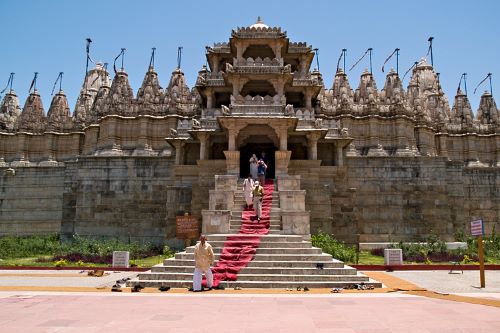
461, 113
177, 96
149, 94
32, 119
425, 86
488, 112
9, 112
393, 92
367, 90
119, 100
96, 78
58, 115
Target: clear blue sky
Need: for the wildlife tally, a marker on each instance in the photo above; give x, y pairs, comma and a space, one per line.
49, 37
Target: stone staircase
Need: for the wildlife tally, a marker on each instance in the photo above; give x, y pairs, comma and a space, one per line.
281, 261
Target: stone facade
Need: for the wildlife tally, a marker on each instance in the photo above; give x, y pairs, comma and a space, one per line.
386, 164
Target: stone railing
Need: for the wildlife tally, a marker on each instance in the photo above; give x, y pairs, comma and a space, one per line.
211, 80
250, 33
257, 110
299, 47
257, 100
220, 48
306, 81
257, 66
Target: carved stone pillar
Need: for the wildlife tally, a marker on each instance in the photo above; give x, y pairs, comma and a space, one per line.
231, 142
179, 152
340, 156
210, 98
232, 162
203, 137
283, 135
312, 146
282, 159
308, 98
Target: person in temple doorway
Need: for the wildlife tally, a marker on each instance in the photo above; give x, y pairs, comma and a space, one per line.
261, 172
266, 162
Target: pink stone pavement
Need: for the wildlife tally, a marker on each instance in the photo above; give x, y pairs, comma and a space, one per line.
34, 312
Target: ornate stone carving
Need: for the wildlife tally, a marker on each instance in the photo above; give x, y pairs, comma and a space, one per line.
32, 119
9, 112
119, 99
58, 116
149, 94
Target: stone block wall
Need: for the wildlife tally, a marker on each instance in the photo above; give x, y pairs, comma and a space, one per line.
123, 197
31, 200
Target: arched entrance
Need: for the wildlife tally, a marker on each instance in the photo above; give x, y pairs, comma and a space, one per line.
257, 149
257, 139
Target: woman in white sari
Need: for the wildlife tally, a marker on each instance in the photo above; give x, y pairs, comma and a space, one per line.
247, 190
253, 166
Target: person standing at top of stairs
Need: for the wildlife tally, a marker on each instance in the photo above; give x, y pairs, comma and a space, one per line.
261, 171
258, 195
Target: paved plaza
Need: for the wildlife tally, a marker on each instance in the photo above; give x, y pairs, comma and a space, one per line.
60, 301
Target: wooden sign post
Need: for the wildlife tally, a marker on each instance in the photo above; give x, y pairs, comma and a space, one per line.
187, 228
477, 229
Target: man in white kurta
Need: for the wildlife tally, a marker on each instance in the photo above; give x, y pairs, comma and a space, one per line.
203, 258
248, 189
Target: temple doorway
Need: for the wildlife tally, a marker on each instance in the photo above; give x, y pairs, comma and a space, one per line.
246, 152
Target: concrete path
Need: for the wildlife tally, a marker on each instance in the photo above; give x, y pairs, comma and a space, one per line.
344, 313
24, 309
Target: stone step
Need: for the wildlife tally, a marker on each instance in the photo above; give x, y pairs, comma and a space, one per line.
263, 238
257, 277
263, 264
270, 232
273, 227
283, 251
264, 244
265, 270
255, 284
270, 257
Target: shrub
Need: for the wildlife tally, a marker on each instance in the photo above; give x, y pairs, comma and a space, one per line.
336, 248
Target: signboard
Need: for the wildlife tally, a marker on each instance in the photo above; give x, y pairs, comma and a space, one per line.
186, 227
477, 227
393, 257
121, 259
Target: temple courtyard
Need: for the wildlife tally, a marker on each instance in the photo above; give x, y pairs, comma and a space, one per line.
413, 301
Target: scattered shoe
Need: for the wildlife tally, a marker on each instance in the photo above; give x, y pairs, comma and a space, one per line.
306, 289
137, 288
190, 289
116, 288
220, 287
164, 288
209, 288
320, 265
336, 290
299, 289
237, 288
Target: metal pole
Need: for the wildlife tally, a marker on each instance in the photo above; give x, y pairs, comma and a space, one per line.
370, 50
397, 62
480, 251
491, 88
465, 82
345, 51
430, 48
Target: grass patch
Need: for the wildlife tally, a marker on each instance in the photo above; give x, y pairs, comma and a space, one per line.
49, 250
339, 250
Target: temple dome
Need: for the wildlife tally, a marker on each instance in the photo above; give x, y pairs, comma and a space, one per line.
259, 24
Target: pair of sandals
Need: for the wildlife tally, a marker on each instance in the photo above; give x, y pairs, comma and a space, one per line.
298, 289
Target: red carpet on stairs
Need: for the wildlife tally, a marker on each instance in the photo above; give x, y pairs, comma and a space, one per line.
239, 250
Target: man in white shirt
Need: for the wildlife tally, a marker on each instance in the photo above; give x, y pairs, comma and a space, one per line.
203, 259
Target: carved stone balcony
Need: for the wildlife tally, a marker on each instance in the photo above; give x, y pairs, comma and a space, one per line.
299, 47
211, 80
258, 66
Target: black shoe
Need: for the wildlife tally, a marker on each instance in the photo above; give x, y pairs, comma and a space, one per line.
220, 287
320, 265
299, 289
164, 288
136, 289
209, 288
306, 289
190, 289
